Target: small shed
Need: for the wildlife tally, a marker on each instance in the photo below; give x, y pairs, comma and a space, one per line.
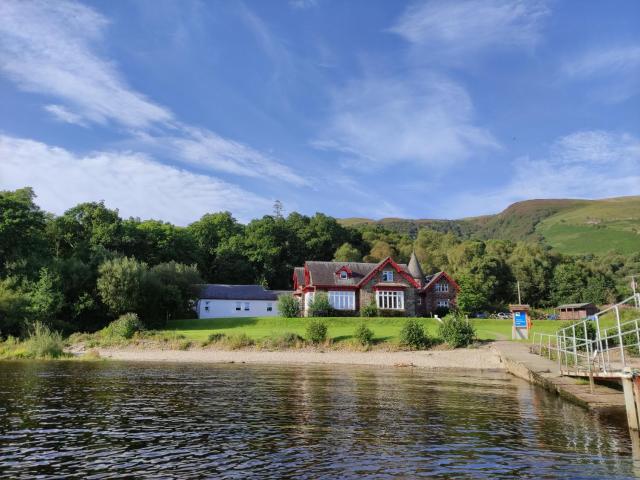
576, 311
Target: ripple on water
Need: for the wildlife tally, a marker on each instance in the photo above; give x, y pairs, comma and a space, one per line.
108, 420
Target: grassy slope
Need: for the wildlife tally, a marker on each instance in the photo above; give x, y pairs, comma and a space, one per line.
385, 329
569, 226
596, 227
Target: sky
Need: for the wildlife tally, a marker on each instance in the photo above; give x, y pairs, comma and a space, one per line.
420, 109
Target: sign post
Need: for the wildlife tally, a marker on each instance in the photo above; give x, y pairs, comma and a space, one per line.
521, 322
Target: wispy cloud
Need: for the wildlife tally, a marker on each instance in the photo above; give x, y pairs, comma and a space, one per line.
425, 120
50, 48
461, 27
132, 182
612, 73
584, 164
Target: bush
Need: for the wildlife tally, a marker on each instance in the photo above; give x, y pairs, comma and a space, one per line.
235, 342
282, 341
364, 335
214, 338
370, 310
320, 306
457, 331
413, 335
288, 306
124, 327
441, 312
43, 343
316, 331
391, 313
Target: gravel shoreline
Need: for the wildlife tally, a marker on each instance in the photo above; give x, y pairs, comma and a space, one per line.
483, 358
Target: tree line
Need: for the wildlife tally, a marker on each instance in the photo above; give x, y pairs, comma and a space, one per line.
79, 270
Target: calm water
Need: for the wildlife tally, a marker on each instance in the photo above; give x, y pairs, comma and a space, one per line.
108, 420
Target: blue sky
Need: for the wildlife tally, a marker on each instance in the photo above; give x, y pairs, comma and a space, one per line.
170, 109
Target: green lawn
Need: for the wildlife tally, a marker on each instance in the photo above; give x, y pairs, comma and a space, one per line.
385, 329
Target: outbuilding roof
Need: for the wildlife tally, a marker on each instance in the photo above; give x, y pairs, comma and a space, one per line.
573, 306
217, 291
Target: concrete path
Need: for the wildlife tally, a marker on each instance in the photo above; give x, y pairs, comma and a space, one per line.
538, 370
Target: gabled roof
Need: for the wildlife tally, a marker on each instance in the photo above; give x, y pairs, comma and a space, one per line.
430, 280
324, 273
575, 305
400, 268
216, 291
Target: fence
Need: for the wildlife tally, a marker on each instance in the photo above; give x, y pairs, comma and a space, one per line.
592, 346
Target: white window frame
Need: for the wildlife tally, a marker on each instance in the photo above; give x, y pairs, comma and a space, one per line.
442, 303
442, 286
269, 307
344, 275
206, 306
247, 306
390, 299
308, 298
342, 299
387, 275
238, 306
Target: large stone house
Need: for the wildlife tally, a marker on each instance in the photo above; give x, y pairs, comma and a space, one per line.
397, 288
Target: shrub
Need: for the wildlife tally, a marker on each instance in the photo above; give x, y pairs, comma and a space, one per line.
288, 306
370, 310
391, 313
124, 327
316, 331
441, 312
413, 335
364, 335
282, 341
43, 343
215, 337
456, 331
235, 342
319, 306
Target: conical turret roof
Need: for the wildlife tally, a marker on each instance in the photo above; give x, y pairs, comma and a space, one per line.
414, 267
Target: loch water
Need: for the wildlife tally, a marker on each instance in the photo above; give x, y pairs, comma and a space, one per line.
95, 420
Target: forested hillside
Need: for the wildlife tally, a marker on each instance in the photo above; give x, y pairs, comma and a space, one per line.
599, 227
79, 270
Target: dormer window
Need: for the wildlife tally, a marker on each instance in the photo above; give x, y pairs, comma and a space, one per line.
387, 276
344, 275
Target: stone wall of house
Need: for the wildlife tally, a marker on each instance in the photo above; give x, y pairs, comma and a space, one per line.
367, 294
431, 298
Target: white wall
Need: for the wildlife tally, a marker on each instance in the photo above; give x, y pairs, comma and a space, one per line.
227, 308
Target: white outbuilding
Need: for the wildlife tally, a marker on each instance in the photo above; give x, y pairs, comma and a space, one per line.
224, 301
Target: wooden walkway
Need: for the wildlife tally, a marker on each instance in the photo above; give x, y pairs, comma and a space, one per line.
541, 371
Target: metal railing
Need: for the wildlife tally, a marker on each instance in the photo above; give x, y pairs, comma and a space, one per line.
589, 347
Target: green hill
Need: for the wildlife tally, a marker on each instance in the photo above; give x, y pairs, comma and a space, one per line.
569, 226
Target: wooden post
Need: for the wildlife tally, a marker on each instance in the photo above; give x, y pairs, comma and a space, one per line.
629, 388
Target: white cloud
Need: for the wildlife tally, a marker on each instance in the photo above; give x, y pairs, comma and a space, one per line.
46, 48
584, 164
426, 120
50, 48
612, 73
132, 182
468, 26
63, 114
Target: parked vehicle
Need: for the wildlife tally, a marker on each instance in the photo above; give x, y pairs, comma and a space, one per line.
504, 315
553, 316
481, 315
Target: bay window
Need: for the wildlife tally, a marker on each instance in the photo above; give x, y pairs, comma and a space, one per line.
342, 300
390, 299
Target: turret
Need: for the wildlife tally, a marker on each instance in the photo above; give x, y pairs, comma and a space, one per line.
414, 268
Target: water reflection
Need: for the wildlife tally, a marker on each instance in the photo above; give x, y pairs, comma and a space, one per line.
111, 419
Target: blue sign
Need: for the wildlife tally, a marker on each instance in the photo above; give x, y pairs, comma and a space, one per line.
520, 319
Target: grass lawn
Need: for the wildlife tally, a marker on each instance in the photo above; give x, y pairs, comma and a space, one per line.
340, 328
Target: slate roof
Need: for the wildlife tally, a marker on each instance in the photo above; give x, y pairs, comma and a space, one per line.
216, 291
324, 273
414, 267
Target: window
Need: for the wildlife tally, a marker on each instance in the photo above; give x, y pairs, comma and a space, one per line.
341, 300
238, 306
344, 275
442, 287
246, 306
443, 303
387, 276
308, 298
390, 300
269, 307
206, 306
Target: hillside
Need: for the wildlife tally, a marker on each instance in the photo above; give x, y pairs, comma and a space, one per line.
569, 226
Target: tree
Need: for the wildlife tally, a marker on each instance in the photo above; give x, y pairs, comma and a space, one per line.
178, 287
46, 298
14, 305
347, 253
532, 266
121, 285
568, 283
23, 245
